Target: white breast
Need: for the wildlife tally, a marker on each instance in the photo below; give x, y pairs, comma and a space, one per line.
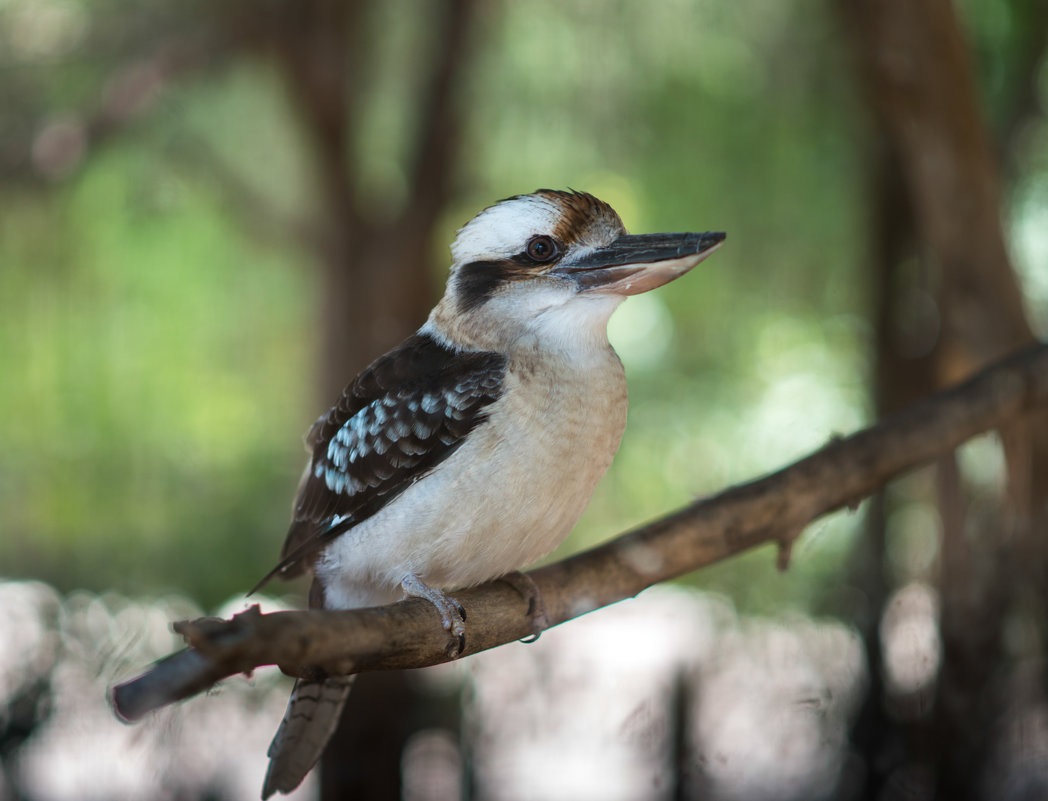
505, 498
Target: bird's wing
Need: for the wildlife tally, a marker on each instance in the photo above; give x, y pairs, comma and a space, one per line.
400, 418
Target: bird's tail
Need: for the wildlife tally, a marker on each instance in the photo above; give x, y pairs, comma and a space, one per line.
312, 715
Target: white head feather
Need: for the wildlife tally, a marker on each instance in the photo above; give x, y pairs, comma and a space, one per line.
503, 230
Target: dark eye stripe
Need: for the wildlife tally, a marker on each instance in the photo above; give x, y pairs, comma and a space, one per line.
477, 281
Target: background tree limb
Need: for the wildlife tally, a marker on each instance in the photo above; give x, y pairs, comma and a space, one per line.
775, 508
939, 192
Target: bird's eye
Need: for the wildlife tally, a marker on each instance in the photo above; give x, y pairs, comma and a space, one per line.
541, 248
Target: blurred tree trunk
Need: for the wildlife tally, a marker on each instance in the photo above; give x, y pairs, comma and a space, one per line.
901, 373
914, 64
378, 276
378, 282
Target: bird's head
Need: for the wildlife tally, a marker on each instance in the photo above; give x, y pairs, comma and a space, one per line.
554, 260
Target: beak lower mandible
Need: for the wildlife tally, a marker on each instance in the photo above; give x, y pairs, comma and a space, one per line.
637, 263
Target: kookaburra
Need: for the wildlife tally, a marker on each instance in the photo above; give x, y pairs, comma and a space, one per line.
471, 449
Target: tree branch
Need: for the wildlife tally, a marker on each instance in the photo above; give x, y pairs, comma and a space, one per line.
775, 508
55, 150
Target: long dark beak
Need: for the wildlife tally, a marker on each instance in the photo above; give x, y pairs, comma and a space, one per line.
634, 264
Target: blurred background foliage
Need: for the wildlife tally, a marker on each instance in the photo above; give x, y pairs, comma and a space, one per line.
180, 199
160, 342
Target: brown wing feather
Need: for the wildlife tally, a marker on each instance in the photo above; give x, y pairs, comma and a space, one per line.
397, 420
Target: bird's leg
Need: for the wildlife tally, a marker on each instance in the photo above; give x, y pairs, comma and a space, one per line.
452, 615
529, 591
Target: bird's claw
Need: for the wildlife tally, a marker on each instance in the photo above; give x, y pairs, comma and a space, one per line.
452, 613
529, 591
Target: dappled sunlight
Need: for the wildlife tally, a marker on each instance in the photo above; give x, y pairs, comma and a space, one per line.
29, 640
698, 436
811, 391
640, 332
594, 710
58, 658
693, 435
669, 690
1030, 232
42, 30
982, 462
911, 644
776, 709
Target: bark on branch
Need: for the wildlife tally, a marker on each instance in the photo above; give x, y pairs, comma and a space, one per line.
775, 508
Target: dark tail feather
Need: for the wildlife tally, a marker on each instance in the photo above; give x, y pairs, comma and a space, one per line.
312, 715
300, 548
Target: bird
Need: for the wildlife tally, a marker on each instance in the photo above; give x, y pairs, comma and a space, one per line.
471, 449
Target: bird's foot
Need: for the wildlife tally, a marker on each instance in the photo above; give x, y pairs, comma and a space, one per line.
452, 615
529, 591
